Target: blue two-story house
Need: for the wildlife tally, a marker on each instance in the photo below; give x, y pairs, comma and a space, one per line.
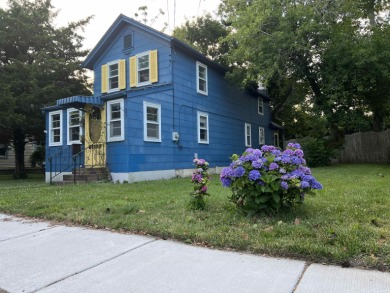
157, 104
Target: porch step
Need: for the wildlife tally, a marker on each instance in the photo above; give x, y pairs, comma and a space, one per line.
85, 175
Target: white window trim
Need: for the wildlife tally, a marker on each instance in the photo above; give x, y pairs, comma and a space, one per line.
248, 134
202, 114
78, 141
158, 107
51, 114
260, 141
147, 53
122, 120
260, 101
108, 76
198, 64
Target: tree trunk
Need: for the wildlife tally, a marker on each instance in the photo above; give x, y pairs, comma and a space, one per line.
19, 144
377, 121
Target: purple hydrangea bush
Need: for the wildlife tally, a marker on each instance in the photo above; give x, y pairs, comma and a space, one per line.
269, 178
200, 179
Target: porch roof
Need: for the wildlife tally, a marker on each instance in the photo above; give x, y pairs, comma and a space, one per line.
77, 101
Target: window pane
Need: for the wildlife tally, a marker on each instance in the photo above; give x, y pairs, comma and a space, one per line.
115, 128
115, 111
202, 85
203, 122
113, 70
143, 75
74, 118
152, 114
74, 133
56, 121
3, 151
114, 83
152, 131
56, 135
202, 72
203, 134
143, 62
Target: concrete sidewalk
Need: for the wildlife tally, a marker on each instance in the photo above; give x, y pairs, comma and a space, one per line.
39, 257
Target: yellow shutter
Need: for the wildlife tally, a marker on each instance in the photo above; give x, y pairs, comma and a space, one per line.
104, 78
153, 66
122, 74
133, 71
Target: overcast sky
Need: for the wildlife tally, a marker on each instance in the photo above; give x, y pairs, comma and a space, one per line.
105, 13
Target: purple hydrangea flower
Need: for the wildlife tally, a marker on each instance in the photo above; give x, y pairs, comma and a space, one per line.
284, 185
273, 166
254, 175
257, 152
305, 184
257, 164
286, 159
316, 185
276, 152
267, 148
298, 152
226, 182
239, 172
288, 152
226, 172
296, 160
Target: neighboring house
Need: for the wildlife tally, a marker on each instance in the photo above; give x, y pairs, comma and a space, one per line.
7, 156
157, 104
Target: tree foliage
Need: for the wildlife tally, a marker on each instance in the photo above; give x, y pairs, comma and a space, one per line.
203, 34
327, 54
39, 63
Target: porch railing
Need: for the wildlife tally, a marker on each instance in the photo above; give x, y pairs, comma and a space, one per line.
94, 155
59, 160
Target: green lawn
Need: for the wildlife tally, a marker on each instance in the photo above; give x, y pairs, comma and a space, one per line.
346, 223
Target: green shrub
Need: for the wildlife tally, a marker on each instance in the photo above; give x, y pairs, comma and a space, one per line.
268, 179
317, 151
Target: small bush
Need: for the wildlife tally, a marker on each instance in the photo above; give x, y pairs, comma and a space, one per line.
200, 179
317, 152
268, 179
37, 157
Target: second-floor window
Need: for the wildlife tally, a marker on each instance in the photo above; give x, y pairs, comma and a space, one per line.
260, 106
201, 78
113, 76
143, 69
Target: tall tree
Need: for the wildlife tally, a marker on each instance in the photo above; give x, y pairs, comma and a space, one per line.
203, 34
324, 49
39, 63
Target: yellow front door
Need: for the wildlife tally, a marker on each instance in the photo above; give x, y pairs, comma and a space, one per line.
95, 137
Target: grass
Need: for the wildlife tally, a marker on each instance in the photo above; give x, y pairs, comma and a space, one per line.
347, 223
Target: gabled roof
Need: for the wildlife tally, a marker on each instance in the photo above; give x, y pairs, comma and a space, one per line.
121, 22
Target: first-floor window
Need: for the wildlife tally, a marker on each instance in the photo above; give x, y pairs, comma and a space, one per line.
248, 136
55, 121
3, 151
276, 139
203, 127
261, 136
74, 126
152, 122
115, 120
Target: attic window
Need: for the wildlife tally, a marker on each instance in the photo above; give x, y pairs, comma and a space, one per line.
128, 41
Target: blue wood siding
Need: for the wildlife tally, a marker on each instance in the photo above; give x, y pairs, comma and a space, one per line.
142, 42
